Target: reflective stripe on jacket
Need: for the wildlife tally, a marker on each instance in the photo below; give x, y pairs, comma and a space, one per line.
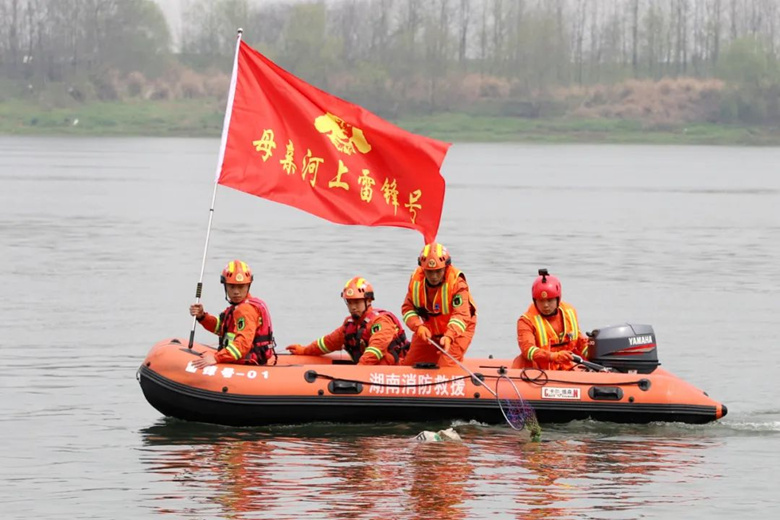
263, 340
547, 338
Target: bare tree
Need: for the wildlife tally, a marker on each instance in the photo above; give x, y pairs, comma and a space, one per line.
733, 11
635, 37
464, 20
715, 15
578, 34
381, 27
12, 14
483, 39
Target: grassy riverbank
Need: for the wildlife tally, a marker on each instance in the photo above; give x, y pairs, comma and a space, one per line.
203, 118
460, 127
196, 118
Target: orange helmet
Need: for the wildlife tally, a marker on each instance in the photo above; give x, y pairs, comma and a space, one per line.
434, 256
357, 288
236, 272
546, 286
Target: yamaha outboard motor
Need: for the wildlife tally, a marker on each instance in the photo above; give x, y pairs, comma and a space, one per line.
626, 348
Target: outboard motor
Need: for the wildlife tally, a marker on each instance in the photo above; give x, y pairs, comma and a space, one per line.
626, 348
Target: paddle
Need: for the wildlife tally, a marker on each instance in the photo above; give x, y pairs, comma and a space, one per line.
593, 366
520, 415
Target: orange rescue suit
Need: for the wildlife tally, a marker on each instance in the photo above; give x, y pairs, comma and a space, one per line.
383, 333
447, 310
246, 320
539, 336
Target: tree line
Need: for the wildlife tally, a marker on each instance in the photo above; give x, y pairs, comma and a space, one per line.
398, 56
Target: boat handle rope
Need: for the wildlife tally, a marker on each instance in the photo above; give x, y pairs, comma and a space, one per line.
477, 378
543, 378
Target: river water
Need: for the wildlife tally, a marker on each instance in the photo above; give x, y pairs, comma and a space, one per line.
101, 242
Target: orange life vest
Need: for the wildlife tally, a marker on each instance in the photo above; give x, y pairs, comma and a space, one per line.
262, 344
357, 334
436, 313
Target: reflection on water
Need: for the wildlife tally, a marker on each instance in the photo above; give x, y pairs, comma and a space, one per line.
380, 471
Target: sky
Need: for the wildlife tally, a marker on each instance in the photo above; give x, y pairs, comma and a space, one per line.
172, 10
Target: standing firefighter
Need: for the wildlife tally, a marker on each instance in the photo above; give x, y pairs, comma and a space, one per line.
438, 307
370, 336
548, 334
244, 328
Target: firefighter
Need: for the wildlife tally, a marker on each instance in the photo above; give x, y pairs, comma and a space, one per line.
548, 333
370, 336
439, 308
244, 327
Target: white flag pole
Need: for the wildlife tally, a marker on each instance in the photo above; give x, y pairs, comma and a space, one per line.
225, 126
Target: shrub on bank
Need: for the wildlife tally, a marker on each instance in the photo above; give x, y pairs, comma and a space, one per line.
665, 103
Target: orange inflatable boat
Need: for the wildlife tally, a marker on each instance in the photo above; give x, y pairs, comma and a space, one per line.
302, 389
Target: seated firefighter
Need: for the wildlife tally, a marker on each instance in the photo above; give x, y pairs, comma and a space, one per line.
370, 336
548, 333
244, 328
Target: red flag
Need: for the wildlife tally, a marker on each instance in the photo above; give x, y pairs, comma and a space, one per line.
290, 142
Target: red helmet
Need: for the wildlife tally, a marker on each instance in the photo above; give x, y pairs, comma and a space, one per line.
434, 256
546, 286
237, 273
357, 288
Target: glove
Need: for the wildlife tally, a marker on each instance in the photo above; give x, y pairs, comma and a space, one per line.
445, 342
298, 350
196, 309
424, 333
562, 357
